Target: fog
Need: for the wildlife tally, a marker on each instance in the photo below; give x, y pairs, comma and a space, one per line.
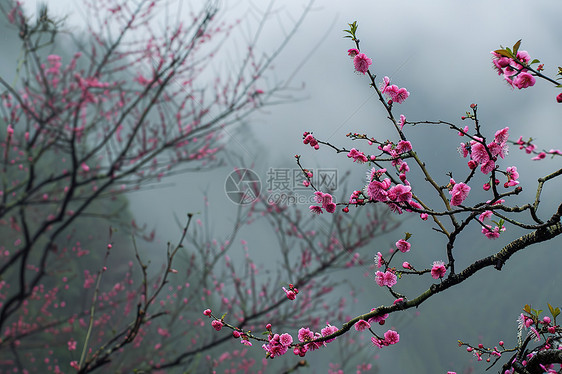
439, 51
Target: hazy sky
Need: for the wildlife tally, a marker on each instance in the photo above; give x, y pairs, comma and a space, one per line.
440, 51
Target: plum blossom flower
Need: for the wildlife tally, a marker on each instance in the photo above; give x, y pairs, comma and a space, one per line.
329, 330
403, 245
403, 146
217, 325
512, 176
402, 121
524, 80
361, 63
376, 342
540, 156
304, 334
362, 325
315, 209
310, 139
352, 52
396, 94
385, 279
400, 193
357, 156
478, 152
378, 319
459, 193
376, 190
492, 233
438, 270
291, 295
391, 337
501, 136
379, 261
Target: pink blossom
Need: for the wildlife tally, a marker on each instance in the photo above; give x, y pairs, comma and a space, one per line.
207, 312
361, 63
376, 342
315, 209
290, 294
285, 339
464, 131
478, 152
71, 345
385, 279
492, 233
376, 190
378, 319
402, 121
329, 330
540, 156
305, 334
403, 246
352, 52
459, 193
379, 261
391, 337
400, 193
559, 98
217, 325
357, 156
438, 270
524, 80
406, 265
512, 176
488, 166
400, 96
464, 149
362, 325
403, 146
502, 135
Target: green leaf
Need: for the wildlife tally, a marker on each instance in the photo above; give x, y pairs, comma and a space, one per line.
535, 61
550, 308
516, 46
503, 52
527, 308
408, 236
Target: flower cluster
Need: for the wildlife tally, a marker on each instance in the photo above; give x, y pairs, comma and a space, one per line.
489, 231
515, 74
357, 156
397, 95
459, 192
292, 292
309, 139
486, 155
390, 337
327, 203
543, 330
277, 345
